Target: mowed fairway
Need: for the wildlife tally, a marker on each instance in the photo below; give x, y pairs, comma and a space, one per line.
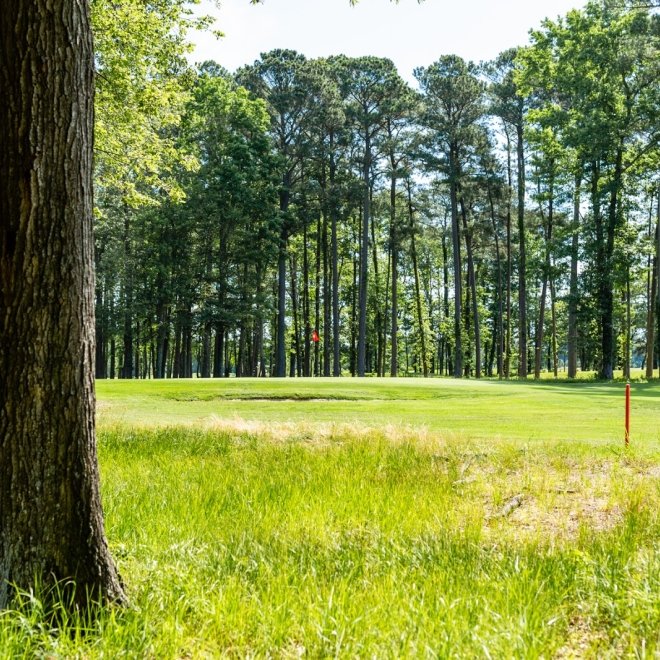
486, 409
387, 519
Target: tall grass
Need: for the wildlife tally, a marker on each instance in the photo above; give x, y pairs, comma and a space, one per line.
259, 542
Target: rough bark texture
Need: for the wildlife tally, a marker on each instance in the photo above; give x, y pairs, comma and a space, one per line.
50, 509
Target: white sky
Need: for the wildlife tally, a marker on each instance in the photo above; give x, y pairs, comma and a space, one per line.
409, 33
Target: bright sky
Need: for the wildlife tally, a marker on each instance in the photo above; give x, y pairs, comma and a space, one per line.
409, 33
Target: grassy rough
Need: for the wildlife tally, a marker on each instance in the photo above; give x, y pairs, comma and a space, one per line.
263, 538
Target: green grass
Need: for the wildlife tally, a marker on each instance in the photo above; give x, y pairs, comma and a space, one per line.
486, 409
325, 521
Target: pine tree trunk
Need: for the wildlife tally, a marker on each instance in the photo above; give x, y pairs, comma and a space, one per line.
307, 330
498, 330
651, 309
509, 258
540, 329
378, 320
336, 358
606, 276
327, 330
456, 248
317, 296
418, 293
50, 509
472, 282
394, 249
573, 287
280, 360
522, 257
364, 261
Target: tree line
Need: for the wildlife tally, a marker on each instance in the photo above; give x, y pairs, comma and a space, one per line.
323, 217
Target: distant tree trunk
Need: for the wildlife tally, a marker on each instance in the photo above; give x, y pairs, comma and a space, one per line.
127, 363
509, 259
553, 310
499, 328
295, 337
394, 250
336, 358
445, 287
307, 330
418, 293
364, 259
280, 360
380, 325
317, 296
573, 287
606, 293
354, 314
522, 257
456, 248
653, 293
472, 280
50, 509
101, 357
540, 328
327, 331
657, 276
205, 357
113, 354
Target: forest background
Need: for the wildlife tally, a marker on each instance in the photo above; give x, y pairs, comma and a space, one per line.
501, 218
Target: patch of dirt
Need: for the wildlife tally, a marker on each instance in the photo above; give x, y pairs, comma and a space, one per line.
581, 640
565, 518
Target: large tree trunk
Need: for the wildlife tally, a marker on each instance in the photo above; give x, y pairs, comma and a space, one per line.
50, 509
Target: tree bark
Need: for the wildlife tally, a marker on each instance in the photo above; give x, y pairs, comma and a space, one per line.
336, 358
653, 290
472, 282
50, 509
522, 257
456, 249
364, 260
540, 328
418, 293
573, 287
280, 359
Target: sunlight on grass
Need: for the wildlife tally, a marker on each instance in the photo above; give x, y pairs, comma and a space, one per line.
272, 537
